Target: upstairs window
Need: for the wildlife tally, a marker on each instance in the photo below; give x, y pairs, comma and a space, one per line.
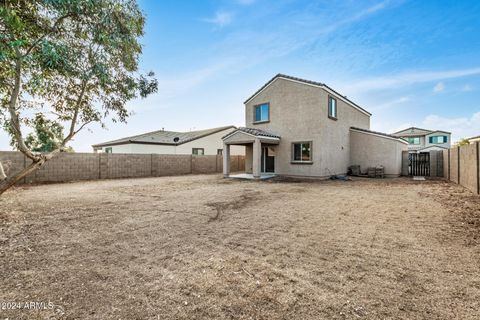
413, 140
302, 152
332, 108
438, 139
262, 112
198, 151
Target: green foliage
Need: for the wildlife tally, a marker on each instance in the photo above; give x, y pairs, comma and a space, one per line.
47, 135
78, 60
463, 142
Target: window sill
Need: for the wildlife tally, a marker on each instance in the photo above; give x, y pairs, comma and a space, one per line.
333, 118
301, 162
260, 122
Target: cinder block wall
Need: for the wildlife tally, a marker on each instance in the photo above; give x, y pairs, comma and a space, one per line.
463, 166
454, 173
67, 167
446, 164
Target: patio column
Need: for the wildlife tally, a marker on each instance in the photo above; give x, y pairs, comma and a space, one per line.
257, 154
226, 160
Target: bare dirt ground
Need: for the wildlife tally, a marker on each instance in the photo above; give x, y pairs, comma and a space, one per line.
200, 247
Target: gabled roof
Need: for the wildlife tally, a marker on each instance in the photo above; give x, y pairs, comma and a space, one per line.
386, 135
254, 132
311, 83
425, 131
163, 137
412, 128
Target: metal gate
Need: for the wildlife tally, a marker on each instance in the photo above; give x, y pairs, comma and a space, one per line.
419, 164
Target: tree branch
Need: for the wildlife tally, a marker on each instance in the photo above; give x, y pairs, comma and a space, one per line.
14, 120
52, 30
72, 131
82, 126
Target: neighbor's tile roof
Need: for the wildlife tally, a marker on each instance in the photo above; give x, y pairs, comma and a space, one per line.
425, 132
255, 132
320, 84
165, 137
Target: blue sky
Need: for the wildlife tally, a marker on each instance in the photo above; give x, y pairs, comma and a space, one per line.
410, 63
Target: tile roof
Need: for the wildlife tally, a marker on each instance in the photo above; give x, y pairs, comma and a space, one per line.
165, 137
426, 132
284, 76
255, 132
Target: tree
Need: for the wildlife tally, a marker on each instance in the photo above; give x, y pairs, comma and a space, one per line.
75, 61
463, 142
46, 137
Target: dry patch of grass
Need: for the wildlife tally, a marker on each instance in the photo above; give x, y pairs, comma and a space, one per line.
200, 247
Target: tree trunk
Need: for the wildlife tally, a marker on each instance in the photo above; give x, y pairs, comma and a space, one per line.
3, 176
37, 163
10, 181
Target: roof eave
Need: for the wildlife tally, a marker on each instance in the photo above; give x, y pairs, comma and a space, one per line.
310, 83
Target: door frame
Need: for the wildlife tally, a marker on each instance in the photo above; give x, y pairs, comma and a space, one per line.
263, 160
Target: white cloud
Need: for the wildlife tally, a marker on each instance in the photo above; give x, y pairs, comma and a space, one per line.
405, 79
360, 15
461, 127
439, 87
220, 19
174, 85
391, 104
467, 88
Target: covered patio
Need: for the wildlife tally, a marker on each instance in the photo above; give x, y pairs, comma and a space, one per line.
259, 152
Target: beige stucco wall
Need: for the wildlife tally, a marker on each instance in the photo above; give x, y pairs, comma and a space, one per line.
299, 112
210, 144
368, 150
249, 158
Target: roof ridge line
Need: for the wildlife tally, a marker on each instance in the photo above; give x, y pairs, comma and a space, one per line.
310, 82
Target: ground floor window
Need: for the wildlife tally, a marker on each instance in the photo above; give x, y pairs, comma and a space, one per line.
219, 152
198, 151
302, 151
108, 150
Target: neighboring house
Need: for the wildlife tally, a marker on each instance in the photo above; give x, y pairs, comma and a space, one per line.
473, 139
423, 140
201, 142
296, 127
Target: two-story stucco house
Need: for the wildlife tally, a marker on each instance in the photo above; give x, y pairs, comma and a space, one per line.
424, 140
296, 127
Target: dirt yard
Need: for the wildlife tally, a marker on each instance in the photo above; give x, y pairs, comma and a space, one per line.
200, 247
